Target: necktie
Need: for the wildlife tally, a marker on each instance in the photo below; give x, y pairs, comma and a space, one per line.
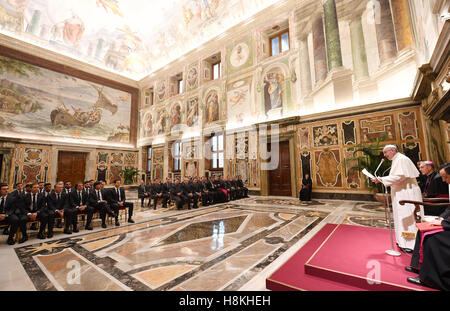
118, 194
99, 195
80, 197
58, 196
34, 201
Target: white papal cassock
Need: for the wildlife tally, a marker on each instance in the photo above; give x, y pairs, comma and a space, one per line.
403, 183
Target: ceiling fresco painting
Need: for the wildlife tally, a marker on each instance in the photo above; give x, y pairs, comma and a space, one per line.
131, 38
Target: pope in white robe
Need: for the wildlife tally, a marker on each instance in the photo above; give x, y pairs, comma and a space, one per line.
404, 186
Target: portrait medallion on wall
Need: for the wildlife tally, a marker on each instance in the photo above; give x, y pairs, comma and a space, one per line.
240, 56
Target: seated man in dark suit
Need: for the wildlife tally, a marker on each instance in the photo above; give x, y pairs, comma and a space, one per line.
157, 192
98, 201
20, 189
57, 202
221, 193
143, 192
78, 199
207, 191
34, 202
68, 187
434, 187
176, 194
117, 200
166, 188
196, 188
240, 184
189, 193
46, 216
14, 212
231, 187
434, 270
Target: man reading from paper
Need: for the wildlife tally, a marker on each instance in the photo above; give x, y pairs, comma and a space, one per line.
403, 183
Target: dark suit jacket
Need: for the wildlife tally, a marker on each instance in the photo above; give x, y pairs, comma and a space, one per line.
157, 189
40, 200
114, 196
74, 200
197, 187
54, 204
10, 205
167, 187
175, 189
187, 188
93, 199
142, 189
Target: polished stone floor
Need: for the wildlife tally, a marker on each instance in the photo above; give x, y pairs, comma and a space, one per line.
232, 246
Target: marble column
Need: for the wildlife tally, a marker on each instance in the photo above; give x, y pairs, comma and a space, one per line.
402, 23
305, 70
332, 35
360, 66
320, 54
387, 47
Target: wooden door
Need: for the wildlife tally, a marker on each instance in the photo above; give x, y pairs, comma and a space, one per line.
280, 178
71, 166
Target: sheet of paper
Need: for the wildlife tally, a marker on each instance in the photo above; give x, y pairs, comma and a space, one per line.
365, 172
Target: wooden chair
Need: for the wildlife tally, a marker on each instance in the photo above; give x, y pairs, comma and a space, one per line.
432, 202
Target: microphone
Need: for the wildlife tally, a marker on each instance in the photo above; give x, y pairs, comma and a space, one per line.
381, 162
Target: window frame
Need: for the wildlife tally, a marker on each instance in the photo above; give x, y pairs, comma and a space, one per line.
177, 156
279, 35
217, 152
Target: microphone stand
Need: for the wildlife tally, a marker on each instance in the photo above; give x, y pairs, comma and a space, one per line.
392, 251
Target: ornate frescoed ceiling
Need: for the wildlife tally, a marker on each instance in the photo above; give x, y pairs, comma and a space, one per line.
132, 38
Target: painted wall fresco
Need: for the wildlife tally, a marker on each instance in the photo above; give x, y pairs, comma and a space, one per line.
130, 37
323, 147
239, 101
39, 101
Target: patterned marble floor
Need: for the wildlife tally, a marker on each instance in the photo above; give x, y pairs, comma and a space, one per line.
231, 246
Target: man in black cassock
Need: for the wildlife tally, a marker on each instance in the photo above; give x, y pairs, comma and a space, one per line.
305, 192
434, 271
434, 187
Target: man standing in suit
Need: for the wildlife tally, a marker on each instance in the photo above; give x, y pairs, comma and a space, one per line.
157, 192
117, 200
176, 194
143, 192
77, 204
98, 200
13, 210
56, 203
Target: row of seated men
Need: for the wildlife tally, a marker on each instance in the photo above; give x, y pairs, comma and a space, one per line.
41, 202
191, 190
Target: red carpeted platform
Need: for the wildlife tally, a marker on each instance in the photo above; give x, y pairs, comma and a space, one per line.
344, 257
